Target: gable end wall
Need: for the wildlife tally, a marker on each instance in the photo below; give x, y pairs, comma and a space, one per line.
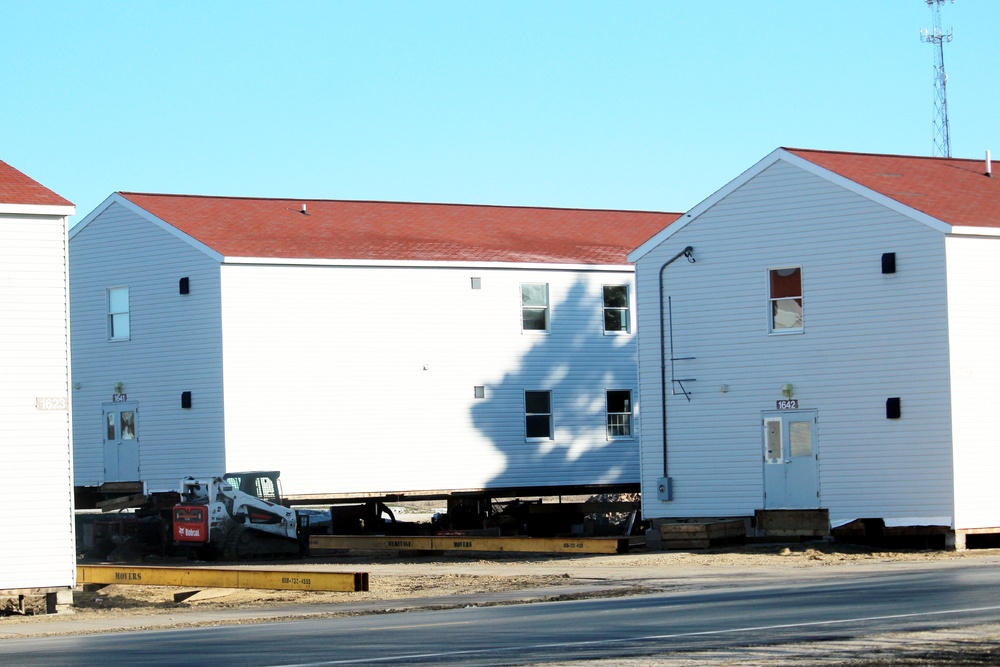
867, 337
175, 346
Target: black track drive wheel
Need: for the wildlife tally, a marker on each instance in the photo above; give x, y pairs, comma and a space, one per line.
239, 544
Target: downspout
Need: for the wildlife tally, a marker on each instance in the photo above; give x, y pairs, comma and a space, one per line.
664, 490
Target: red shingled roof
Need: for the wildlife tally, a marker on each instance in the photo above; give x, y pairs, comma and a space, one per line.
16, 188
363, 230
956, 192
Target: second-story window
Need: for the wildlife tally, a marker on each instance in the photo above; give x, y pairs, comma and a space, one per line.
785, 296
616, 312
535, 306
118, 315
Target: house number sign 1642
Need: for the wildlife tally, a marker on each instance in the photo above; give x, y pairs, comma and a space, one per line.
788, 404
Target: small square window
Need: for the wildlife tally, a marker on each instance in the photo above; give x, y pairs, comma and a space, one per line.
479, 391
785, 299
477, 283
616, 310
535, 307
538, 415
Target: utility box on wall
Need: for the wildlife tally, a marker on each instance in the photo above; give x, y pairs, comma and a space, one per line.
664, 489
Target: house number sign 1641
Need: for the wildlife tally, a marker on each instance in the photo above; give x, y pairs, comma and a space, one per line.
788, 404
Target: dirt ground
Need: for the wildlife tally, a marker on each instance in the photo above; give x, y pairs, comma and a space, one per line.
396, 576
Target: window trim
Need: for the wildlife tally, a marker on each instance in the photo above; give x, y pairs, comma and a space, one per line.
549, 414
546, 309
608, 414
627, 311
110, 314
772, 300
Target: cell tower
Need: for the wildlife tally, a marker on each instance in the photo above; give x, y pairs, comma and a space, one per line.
936, 37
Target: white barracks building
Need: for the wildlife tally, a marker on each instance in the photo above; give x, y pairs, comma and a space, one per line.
357, 347
38, 551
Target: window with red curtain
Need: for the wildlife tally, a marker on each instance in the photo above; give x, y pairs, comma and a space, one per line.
786, 299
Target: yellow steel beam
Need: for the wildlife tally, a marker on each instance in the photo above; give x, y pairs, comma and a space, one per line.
216, 577
582, 545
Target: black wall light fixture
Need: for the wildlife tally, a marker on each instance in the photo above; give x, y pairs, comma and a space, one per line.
893, 409
185, 399
184, 286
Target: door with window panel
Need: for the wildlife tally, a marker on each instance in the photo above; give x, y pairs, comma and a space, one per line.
121, 442
791, 473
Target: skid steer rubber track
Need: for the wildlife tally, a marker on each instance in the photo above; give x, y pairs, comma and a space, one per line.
245, 543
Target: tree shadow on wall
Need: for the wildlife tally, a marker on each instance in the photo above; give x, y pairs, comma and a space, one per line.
577, 363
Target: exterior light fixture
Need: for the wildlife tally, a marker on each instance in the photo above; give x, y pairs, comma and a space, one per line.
786, 390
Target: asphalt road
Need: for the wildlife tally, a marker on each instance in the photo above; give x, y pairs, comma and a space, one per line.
852, 605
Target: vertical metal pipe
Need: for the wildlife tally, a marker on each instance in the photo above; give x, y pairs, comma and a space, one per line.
687, 252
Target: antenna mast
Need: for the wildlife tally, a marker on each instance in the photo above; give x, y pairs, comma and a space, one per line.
936, 37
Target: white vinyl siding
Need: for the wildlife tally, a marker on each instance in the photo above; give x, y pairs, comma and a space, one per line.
869, 336
36, 515
974, 319
175, 347
389, 409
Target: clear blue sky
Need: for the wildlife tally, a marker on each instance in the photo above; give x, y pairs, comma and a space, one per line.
625, 105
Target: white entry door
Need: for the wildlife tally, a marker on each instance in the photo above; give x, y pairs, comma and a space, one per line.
121, 442
791, 473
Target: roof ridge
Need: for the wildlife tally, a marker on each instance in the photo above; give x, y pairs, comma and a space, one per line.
364, 230
895, 155
126, 194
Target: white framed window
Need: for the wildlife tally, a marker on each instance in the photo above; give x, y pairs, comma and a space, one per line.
538, 415
616, 310
535, 306
785, 299
619, 405
118, 314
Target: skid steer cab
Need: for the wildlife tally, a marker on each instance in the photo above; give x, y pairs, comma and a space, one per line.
222, 521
